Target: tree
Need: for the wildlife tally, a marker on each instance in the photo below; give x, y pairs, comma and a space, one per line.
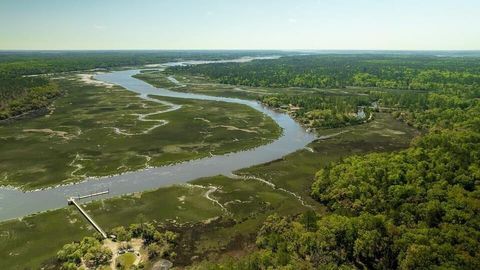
154, 250
309, 220
121, 233
97, 256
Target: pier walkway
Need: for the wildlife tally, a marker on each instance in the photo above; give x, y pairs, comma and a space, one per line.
72, 200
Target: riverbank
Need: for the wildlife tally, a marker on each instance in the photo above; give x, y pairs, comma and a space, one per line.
206, 229
18, 204
98, 131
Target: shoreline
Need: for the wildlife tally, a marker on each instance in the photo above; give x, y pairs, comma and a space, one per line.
151, 178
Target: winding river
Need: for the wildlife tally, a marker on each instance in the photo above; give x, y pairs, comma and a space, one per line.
15, 203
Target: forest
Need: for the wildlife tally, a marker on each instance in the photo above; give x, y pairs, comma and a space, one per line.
19, 95
414, 209
339, 71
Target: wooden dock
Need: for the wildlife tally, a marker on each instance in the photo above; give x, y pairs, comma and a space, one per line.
90, 195
73, 200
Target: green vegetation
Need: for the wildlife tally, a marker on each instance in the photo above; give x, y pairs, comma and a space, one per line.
93, 252
425, 199
89, 252
313, 108
97, 131
125, 261
323, 111
204, 229
22, 95
183, 204
334, 204
34, 240
26, 63
437, 81
296, 172
331, 71
198, 85
25, 87
413, 209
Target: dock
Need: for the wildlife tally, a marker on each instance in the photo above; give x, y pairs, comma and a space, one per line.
73, 200
90, 195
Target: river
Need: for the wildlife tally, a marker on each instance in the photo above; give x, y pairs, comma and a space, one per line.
15, 203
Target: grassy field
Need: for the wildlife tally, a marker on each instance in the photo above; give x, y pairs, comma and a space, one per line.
214, 216
34, 240
126, 260
96, 131
202, 85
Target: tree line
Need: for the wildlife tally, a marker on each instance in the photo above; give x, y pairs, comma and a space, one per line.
339, 71
42, 62
19, 95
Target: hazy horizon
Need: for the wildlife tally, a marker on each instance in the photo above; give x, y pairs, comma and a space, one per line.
320, 25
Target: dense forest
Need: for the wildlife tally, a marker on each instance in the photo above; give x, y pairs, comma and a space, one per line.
19, 95
337, 71
413, 209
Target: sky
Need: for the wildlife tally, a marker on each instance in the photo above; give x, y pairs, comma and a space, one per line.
240, 24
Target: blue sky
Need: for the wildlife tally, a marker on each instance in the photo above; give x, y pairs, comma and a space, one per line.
240, 24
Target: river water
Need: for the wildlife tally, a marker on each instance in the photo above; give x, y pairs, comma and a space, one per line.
16, 203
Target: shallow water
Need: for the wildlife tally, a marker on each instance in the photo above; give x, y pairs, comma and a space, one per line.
15, 203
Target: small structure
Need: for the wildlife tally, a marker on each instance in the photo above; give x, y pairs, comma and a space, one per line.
361, 113
293, 108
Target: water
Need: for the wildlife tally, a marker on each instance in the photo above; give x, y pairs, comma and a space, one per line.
15, 203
